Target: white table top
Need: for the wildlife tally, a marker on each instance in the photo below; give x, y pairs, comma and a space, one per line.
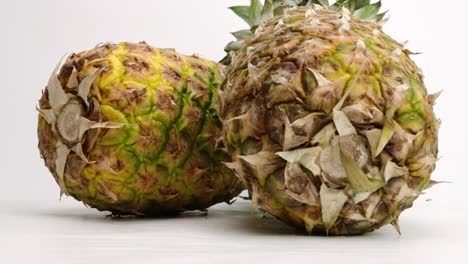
67, 232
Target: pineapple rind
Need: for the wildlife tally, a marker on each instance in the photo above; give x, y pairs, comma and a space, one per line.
161, 156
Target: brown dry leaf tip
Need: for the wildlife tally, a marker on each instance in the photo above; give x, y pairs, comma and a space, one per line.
361, 113
373, 137
73, 80
395, 55
307, 157
291, 139
237, 169
65, 116
314, 20
354, 147
324, 137
342, 123
395, 223
434, 97
57, 96
108, 192
278, 26
298, 185
251, 127
105, 163
331, 202
60, 162
85, 85
432, 183
308, 125
392, 170
78, 149
345, 22
48, 115
331, 165
262, 164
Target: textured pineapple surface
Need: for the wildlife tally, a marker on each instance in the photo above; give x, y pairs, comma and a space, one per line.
131, 129
328, 122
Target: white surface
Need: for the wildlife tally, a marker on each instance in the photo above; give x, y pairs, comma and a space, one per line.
35, 228
33, 232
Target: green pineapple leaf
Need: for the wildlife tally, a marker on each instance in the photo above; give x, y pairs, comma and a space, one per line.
361, 3
319, 2
255, 11
233, 46
242, 34
348, 4
267, 11
357, 178
380, 16
243, 12
351, 5
251, 14
369, 11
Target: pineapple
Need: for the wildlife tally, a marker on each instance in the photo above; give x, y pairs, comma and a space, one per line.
328, 120
131, 129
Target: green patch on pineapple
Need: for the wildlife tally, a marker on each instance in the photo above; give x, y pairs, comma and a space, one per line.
125, 135
411, 121
113, 74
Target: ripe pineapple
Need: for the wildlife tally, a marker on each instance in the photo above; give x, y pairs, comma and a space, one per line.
328, 121
130, 129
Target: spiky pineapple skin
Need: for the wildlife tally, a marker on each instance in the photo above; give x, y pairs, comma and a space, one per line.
164, 158
284, 105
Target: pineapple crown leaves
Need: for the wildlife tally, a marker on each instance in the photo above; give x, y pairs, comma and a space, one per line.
255, 13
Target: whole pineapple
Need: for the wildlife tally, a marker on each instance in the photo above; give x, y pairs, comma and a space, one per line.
130, 129
328, 121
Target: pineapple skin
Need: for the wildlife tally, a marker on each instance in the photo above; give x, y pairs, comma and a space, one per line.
328, 122
148, 134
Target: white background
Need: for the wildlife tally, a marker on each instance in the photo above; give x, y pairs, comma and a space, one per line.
35, 227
